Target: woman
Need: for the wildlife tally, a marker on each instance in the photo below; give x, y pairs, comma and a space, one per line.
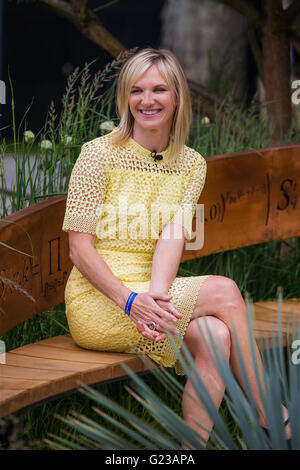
122, 293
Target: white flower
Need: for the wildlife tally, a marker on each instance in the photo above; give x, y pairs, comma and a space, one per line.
205, 120
67, 139
107, 126
29, 137
46, 144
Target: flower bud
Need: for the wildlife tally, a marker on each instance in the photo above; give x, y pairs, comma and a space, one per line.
106, 127
205, 120
67, 140
46, 144
29, 137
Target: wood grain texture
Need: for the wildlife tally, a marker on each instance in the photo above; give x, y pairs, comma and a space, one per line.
47, 368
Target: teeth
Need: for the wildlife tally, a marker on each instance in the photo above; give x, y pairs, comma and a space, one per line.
149, 112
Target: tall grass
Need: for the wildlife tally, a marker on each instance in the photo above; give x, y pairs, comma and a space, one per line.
42, 172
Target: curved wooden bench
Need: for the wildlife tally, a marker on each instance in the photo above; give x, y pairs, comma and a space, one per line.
249, 198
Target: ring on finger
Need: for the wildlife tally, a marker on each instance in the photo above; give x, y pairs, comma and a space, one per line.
152, 325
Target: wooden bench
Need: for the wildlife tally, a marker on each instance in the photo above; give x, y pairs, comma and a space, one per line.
249, 197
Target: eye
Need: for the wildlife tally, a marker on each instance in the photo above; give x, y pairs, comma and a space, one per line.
160, 89
135, 91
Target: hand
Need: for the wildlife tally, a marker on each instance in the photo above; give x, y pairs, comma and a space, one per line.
145, 309
168, 306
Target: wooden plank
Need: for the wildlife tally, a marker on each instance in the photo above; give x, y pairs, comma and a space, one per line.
44, 389
17, 377
4, 394
80, 355
49, 371
266, 321
12, 383
269, 312
50, 365
32, 373
288, 308
67, 342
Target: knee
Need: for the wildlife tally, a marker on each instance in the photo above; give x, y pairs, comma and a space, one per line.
227, 295
219, 296
207, 333
227, 288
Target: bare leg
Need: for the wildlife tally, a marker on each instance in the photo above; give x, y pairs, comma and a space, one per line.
192, 408
220, 296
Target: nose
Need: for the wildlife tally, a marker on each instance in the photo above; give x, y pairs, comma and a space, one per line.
147, 98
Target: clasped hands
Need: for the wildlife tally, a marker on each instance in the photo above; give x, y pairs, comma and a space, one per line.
155, 307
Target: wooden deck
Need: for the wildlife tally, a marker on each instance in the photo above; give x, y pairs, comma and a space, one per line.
48, 368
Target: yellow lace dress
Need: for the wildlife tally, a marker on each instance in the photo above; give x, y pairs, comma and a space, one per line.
116, 193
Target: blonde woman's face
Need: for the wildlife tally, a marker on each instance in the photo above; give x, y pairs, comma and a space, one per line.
151, 102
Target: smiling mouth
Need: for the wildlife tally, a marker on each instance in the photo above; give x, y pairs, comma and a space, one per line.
149, 113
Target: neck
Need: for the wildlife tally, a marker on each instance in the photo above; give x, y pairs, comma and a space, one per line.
152, 139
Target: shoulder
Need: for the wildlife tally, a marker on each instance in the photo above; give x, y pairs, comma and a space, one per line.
96, 151
193, 158
97, 145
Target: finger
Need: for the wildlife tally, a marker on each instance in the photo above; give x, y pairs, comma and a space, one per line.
145, 331
166, 326
160, 316
175, 312
166, 316
143, 324
169, 307
161, 337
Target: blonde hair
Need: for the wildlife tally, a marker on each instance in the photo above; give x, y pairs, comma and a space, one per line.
172, 72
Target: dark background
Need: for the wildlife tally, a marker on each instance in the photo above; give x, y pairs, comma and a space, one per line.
38, 46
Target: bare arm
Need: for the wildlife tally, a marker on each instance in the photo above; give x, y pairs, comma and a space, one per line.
93, 267
166, 258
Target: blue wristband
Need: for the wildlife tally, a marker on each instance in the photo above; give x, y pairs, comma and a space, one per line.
129, 302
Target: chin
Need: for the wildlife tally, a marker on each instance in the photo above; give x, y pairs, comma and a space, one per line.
151, 125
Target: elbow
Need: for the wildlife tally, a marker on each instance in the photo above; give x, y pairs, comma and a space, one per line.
71, 254
79, 241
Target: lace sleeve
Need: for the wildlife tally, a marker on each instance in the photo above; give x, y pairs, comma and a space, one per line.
86, 191
185, 214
